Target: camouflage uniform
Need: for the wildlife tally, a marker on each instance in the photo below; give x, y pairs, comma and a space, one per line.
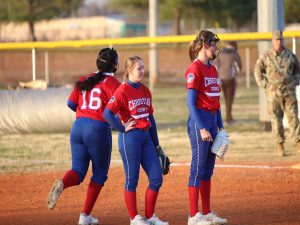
278, 74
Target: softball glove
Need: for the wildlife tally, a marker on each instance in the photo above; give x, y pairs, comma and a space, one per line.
163, 160
221, 144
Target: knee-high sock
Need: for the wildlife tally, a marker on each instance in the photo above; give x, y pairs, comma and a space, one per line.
91, 197
150, 200
130, 200
194, 197
205, 196
71, 178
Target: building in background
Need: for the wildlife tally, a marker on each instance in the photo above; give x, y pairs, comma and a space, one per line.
65, 29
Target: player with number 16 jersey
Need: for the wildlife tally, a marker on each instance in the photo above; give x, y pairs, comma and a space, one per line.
91, 103
90, 137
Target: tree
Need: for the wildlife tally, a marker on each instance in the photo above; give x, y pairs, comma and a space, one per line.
292, 8
226, 13
31, 11
129, 5
169, 9
175, 10
4, 9
69, 8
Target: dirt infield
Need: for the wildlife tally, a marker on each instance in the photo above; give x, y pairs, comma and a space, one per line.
245, 196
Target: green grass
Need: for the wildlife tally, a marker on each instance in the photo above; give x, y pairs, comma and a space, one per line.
170, 108
248, 142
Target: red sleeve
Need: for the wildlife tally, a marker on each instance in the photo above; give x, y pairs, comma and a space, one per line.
192, 78
117, 101
74, 95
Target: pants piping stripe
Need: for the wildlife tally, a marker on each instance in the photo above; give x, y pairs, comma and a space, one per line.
110, 149
126, 161
198, 151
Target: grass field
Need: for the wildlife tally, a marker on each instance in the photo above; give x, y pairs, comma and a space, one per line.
248, 142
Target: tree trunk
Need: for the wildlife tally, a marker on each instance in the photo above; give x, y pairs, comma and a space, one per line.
31, 19
177, 21
32, 31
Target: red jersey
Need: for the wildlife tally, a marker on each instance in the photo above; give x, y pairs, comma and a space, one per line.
204, 79
134, 103
92, 103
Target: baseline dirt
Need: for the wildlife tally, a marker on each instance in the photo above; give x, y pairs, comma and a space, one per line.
243, 196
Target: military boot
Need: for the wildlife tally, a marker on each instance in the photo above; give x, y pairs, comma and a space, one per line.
280, 149
298, 146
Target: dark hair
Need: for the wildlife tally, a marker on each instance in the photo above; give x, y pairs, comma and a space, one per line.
203, 37
107, 62
129, 64
233, 44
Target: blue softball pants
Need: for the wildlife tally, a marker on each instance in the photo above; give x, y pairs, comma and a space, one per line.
203, 160
136, 148
91, 141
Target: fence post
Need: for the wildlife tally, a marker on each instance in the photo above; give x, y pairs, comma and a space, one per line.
47, 67
153, 67
294, 45
33, 64
247, 68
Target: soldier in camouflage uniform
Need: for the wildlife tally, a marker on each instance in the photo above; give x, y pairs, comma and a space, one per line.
277, 72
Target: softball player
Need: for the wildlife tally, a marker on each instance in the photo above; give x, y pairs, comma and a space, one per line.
203, 94
137, 139
90, 135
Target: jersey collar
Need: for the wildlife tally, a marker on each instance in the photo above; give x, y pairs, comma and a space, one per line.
135, 85
208, 63
106, 73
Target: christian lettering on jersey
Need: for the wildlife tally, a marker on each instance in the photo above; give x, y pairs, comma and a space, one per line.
208, 81
139, 101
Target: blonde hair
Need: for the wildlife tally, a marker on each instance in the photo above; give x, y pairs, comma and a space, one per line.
129, 64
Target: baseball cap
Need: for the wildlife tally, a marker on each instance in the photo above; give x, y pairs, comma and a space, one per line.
277, 34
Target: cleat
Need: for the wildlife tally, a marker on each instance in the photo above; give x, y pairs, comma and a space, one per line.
214, 219
138, 220
198, 219
87, 220
54, 194
154, 220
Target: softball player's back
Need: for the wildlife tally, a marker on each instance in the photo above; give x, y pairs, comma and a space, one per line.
90, 135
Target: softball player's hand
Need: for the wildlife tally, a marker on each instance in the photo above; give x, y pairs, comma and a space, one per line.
129, 125
205, 135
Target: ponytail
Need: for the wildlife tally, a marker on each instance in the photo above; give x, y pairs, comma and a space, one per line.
107, 62
90, 81
203, 37
194, 49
